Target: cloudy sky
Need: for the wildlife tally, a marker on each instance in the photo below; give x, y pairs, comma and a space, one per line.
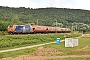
75, 4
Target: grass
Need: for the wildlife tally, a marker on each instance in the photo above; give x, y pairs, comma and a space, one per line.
66, 51
3, 33
19, 52
23, 40
13, 41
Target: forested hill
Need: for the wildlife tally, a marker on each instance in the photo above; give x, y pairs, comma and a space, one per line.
45, 16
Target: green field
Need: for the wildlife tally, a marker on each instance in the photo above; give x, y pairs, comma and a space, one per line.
66, 51
13, 41
82, 49
83, 42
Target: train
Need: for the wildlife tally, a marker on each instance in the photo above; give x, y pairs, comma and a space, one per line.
12, 29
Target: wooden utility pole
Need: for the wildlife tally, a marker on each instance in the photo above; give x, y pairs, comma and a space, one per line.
56, 23
72, 27
56, 26
37, 21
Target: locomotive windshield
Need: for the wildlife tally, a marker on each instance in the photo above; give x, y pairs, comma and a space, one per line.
10, 26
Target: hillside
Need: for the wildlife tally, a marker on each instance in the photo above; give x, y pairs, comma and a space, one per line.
45, 16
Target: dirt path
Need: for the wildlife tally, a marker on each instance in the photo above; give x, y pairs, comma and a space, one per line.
27, 57
86, 35
26, 47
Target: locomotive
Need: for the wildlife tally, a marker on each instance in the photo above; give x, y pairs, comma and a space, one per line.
36, 29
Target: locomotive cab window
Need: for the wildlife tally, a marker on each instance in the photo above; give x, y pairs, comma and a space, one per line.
27, 27
19, 27
10, 26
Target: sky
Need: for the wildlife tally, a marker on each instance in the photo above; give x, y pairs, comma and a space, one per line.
72, 4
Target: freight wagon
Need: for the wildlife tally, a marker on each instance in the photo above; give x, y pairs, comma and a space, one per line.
36, 29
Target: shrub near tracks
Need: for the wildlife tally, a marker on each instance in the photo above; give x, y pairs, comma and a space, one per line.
12, 41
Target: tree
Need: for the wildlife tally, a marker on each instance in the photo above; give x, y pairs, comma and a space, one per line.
80, 27
4, 25
74, 26
83, 27
15, 19
58, 24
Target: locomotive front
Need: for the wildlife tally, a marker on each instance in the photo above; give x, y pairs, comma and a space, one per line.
11, 28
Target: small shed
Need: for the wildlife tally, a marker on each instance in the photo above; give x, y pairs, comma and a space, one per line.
71, 42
